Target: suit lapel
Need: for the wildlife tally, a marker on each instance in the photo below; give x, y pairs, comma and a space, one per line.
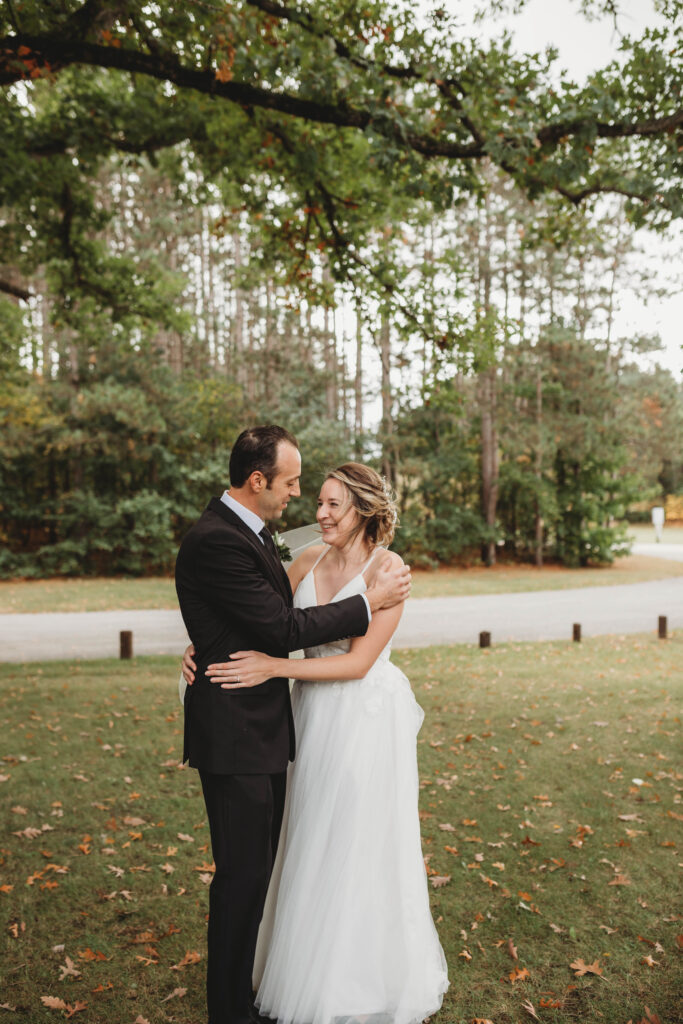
270, 561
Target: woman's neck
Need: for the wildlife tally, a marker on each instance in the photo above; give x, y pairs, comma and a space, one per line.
353, 553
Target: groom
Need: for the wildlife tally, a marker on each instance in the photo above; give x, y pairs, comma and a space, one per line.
235, 595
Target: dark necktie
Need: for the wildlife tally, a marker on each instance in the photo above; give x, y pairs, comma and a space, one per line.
269, 544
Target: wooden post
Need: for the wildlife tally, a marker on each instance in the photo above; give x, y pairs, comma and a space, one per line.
576, 632
661, 625
484, 639
126, 643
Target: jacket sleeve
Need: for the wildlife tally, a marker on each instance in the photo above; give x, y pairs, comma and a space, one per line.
233, 582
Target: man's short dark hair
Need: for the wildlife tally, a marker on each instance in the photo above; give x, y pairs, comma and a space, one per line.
256, 449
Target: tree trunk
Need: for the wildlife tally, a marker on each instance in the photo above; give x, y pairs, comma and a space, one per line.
358, 386
387, 398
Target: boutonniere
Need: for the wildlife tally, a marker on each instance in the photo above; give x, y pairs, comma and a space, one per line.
281, 548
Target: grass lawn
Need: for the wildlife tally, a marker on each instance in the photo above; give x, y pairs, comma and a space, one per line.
645, 534
550, 804
90, 595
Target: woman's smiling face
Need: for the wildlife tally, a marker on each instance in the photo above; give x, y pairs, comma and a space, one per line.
336, 515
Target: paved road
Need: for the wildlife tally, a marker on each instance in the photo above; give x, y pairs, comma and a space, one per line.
674, 552
539, 615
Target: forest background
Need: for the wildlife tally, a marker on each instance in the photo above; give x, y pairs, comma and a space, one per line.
404, 242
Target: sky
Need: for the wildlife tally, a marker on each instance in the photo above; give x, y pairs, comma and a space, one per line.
584, 46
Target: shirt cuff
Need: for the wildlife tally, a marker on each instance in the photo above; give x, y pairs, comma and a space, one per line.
367, 605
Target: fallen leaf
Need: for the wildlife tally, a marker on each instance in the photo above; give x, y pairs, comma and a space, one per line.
439, 880
582, 968
179, 992
650, 962
53, 1002
512, 949
529, 1007
189, 958
68, 969
518, 974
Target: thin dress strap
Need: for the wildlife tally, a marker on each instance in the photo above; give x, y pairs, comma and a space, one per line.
370, 559
320, 557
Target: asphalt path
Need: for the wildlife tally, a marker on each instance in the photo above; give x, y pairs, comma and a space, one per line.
536, 615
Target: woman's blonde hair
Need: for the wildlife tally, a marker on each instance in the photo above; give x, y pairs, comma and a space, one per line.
372, 498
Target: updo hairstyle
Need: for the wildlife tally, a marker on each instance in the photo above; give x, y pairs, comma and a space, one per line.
372, 498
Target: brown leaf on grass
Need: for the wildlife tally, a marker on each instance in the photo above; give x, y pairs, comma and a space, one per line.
141, 1020
606, 928
437, 881
518, 974
631, 817
91, 954
8, 1006
68, 969
53, 1002
620, 880
447, 827
511, 949
482, 1020
77, 1007
529, 1007
6, 887
130, 819
466, 955
189, 958
582, 968
179, 992
102, 988
650, 1017
650, 962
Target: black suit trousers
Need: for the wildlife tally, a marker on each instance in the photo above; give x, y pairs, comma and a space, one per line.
245, 816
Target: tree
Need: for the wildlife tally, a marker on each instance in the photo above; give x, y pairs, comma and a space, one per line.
317, 113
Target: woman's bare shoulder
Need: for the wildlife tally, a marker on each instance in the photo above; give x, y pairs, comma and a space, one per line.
385, 560
303, 563
389, 559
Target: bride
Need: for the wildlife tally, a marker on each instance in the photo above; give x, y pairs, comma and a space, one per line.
347, 936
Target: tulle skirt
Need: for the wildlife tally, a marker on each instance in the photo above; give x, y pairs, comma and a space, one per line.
347, 931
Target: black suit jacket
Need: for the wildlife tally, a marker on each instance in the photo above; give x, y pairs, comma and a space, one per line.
235, 595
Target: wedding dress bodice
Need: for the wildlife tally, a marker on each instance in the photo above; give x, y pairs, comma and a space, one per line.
306, 597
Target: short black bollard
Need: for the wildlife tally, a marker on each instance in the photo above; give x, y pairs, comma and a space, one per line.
576, 632
126, 643
661, 627
484, 639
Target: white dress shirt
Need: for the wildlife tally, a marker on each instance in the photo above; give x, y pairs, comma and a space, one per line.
248, 517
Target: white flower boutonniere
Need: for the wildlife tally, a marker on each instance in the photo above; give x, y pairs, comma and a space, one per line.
281, 548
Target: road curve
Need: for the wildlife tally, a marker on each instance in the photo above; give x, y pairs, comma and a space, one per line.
536, 615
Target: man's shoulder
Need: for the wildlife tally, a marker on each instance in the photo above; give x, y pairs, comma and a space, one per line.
213, 527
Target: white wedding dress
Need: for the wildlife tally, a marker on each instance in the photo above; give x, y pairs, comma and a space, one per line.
347, 932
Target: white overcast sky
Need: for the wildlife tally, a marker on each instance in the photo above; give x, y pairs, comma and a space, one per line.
584, 46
